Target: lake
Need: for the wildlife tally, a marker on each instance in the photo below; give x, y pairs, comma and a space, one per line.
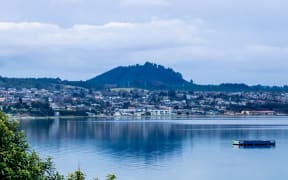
192, 148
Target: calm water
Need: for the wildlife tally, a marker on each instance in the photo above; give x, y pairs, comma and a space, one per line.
194, 148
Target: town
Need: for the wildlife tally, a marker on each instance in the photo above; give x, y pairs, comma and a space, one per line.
130, 102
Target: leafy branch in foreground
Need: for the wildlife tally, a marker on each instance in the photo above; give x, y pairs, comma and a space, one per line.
111, 177
17, 161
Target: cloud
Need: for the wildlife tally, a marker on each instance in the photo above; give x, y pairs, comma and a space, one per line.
198, 50
54, 49
77, 39
114, 35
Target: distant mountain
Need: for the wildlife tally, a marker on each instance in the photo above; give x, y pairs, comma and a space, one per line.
148, 76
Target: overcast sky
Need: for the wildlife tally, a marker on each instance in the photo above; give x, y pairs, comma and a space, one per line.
209, 41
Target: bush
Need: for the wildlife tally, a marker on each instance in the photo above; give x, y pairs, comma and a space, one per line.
17, 161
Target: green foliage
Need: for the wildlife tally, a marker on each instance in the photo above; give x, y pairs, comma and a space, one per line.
17, 161
111, 177
77, 175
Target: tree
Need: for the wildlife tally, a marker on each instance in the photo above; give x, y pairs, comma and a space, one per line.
111, 177
172, 94
17, 161
77, 175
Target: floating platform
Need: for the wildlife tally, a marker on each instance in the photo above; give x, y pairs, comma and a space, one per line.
254, 143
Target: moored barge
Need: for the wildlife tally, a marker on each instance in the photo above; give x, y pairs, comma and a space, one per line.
254, 142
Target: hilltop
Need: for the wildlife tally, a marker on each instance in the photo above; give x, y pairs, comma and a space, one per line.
148, 76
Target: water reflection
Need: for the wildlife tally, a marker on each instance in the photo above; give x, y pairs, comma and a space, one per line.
254, 147
162, 149
141, 139
120, 138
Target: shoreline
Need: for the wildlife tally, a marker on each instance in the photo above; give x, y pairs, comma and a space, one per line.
142, 117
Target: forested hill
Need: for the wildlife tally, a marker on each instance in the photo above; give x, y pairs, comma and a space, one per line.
149, 76
39, 83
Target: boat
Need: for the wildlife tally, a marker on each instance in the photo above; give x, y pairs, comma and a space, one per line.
254, 142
